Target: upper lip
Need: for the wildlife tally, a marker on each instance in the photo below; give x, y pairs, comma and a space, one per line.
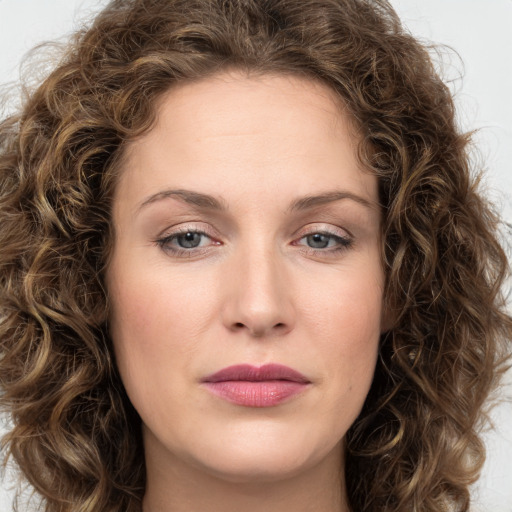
252, 373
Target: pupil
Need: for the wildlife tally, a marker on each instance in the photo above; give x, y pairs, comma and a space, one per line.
318, 241
189, 240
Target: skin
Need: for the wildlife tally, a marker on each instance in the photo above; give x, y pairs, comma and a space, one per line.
258, 288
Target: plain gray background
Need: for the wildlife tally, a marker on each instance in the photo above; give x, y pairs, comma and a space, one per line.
479, 30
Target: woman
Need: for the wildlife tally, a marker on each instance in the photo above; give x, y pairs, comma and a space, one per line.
244, 267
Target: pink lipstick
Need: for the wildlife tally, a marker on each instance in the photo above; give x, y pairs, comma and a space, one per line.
250, 386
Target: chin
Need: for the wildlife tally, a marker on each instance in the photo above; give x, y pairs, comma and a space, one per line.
266, 462
254, 471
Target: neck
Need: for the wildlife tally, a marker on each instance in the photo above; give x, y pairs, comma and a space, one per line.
175, 486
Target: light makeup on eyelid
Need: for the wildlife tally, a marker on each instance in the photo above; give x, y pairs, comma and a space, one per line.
187, 241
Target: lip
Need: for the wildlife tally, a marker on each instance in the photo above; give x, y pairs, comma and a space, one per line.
251, 386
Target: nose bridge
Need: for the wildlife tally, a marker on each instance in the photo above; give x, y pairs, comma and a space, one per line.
260, 299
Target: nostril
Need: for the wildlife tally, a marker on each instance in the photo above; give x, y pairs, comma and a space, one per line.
258, 331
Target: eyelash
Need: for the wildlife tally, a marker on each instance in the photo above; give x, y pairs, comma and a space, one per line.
344, 243
164, 243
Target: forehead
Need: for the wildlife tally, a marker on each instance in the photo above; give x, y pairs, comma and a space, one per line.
225, 90
264, 130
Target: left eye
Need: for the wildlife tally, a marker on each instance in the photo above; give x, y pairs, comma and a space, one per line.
325, 241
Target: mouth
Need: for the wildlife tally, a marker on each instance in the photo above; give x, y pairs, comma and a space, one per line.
250, 386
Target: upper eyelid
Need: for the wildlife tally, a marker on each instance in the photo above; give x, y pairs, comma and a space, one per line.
173, 230
323, 228
333, 230
199, 225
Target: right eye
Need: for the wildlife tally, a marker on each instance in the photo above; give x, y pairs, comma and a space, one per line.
188, 240
185, 242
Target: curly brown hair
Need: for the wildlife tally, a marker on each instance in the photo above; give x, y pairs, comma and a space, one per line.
75, 435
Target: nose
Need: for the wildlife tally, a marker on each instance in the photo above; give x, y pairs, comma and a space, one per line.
258, 298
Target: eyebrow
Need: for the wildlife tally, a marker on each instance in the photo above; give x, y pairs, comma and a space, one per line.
307, 202
207, 201
187, 196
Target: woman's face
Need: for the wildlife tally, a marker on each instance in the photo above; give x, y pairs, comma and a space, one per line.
246, 234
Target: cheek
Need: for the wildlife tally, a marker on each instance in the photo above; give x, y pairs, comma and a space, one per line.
347, 306
155, 320
345, 320
151, 307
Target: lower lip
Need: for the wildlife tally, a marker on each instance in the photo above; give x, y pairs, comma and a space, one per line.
266, 393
